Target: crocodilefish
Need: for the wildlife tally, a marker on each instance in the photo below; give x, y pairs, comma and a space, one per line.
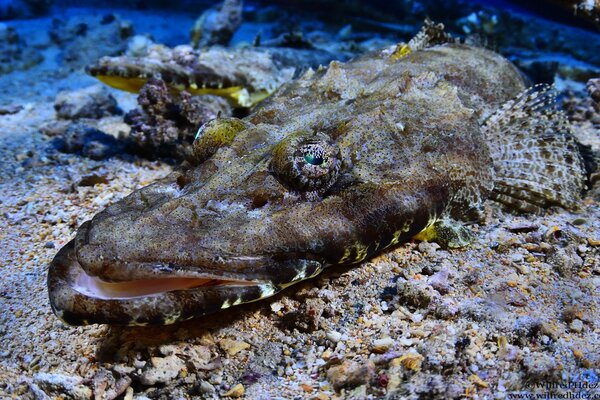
336, 166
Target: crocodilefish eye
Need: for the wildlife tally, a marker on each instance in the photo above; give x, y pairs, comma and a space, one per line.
314, 156
306, 162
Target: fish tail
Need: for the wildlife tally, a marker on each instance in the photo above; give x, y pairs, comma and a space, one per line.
536, 159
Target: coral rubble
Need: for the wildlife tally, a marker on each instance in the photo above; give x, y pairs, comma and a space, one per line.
166, 123
91, 102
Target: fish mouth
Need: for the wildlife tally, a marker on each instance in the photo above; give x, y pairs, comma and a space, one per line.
94, 287
79, 298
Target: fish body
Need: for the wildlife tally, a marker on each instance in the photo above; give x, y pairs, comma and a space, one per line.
336, 166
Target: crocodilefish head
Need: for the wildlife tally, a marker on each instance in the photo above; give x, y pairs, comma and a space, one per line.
267, 202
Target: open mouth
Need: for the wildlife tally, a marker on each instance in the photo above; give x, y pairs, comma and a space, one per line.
79, 298
95, 287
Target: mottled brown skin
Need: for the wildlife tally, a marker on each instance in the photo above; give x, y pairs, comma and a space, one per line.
407, 137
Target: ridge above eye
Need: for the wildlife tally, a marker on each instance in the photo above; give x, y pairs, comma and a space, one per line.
306, 162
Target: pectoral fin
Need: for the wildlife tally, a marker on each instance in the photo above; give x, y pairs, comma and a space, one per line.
449, 234
536, 159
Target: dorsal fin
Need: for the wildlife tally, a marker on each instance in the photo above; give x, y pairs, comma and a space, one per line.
431, 34
536, 159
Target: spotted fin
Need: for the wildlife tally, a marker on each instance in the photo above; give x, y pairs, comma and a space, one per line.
448, 233
536, 159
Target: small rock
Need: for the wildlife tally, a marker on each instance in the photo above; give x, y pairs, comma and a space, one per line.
206, 387
63, 385
523, 227
571, 313
199, 358
232, 347
576, 325
88, 141
236, 391
163, 370
415, 294
334, 336
428, 248
107, 386
307, 387
91, 102
566, 260
439, 281
307, 317
10, 109
411, 361
516, 258
593, 242
350, 374
276, 306
539, 366
444, 308
522, 268
49, 245
217, 25
382, 345
93, 179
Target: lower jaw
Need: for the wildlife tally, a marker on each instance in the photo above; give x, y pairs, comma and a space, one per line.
75, 307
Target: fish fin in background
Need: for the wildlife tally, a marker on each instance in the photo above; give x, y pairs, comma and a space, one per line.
536, 159
431, 34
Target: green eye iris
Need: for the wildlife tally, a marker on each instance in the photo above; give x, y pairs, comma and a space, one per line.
314, 159
306, 162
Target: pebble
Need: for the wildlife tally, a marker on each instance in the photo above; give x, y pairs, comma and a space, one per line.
439, 281
382, 345
415, 294
334, 336
576, 325
163, 370
232, 347
236, 391
206, 387
90, 102
350, 374
539, 366
411, 361
566, 261
516, 258
63, 385
428, 248
571, 313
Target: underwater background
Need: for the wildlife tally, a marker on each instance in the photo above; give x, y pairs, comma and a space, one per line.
517, 313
